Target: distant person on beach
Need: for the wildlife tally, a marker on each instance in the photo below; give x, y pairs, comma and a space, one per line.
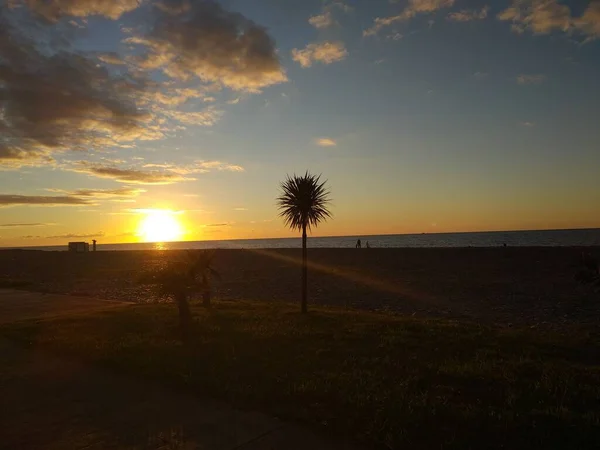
358, 244
368, 246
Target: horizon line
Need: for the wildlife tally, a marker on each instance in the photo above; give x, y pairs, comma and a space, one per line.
359, 236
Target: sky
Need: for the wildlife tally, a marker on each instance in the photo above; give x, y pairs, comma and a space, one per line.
422, 115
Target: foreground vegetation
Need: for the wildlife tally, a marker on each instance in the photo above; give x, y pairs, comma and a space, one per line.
389, 382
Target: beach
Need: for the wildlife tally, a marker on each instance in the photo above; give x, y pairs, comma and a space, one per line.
517, 287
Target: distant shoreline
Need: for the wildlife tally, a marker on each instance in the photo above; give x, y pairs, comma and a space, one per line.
384, 249
480, 239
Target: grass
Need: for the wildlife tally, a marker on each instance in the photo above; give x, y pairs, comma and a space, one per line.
386, 381
14, 284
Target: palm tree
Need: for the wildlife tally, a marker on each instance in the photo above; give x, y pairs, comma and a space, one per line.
201, 266
183, 277
303, 204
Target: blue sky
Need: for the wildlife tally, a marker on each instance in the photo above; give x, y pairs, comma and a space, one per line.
424, 115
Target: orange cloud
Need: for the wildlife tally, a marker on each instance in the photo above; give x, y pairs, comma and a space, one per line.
413, 8
467, 15
326, 142
325, 52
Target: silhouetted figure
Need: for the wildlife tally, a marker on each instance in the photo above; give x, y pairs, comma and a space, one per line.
358, 244
504, 244
368, 246
94, 245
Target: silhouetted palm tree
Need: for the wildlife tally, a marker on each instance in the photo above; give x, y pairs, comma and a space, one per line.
303, 204
201, 266
181, 278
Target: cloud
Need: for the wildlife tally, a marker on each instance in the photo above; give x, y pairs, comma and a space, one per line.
53, 99
206, 118
480, 75
325, 18
201, 39
132, 176
326, 142
205, 167
218, 224
240, 209
547, 16
24, 225
218, 165
14, 158
531, 79
322, 20
589, 22
53, 10
528, 124
168, 173
75, 236
39, 200
102, 193
467, 15
111, 58
340, 5
325, 52
538, 16
413, 8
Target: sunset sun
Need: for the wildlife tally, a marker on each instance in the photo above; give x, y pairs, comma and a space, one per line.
160, 226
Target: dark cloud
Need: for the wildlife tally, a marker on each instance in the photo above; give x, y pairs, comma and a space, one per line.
76, 236
55, 99
52, 99
111, 58
102, 193
23, 225
53, 10
40, 200
202, 39
132, 176
17, 157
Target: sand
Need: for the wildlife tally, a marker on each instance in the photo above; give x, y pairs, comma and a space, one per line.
519, 287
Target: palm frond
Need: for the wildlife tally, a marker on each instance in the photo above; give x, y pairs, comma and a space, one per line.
304, 201
190, 273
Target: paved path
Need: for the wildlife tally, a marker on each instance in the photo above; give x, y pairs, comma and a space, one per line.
52, 403
20, 305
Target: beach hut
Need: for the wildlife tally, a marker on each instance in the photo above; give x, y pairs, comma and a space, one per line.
79, 247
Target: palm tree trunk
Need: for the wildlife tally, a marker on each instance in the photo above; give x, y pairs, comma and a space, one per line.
304, 272
185, 314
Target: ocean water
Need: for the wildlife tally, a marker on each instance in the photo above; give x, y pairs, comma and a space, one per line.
544, 238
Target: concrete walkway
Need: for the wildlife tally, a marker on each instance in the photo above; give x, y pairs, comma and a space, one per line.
53, 403
21, 305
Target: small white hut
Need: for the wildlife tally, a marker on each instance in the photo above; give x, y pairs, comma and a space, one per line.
79, 247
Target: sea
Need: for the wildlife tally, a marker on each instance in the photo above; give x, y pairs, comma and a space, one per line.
533, 238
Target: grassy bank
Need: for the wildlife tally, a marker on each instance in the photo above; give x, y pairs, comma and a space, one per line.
386, 381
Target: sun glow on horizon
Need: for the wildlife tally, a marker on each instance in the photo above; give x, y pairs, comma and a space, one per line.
160, 225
